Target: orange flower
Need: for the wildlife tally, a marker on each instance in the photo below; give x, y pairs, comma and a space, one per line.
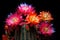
32, 18
45, 15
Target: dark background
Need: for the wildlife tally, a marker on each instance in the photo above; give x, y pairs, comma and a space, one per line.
7, 6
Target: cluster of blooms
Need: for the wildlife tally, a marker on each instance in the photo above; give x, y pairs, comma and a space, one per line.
31, 18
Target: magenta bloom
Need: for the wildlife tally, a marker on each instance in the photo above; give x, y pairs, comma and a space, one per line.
25, 9
46, 29
13, 19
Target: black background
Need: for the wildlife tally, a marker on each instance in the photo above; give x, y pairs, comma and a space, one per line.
7, 6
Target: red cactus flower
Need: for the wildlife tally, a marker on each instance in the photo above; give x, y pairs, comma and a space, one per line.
45, 15
13, 19
32, 18
25, 9
4, 37
46, 28
27, 27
